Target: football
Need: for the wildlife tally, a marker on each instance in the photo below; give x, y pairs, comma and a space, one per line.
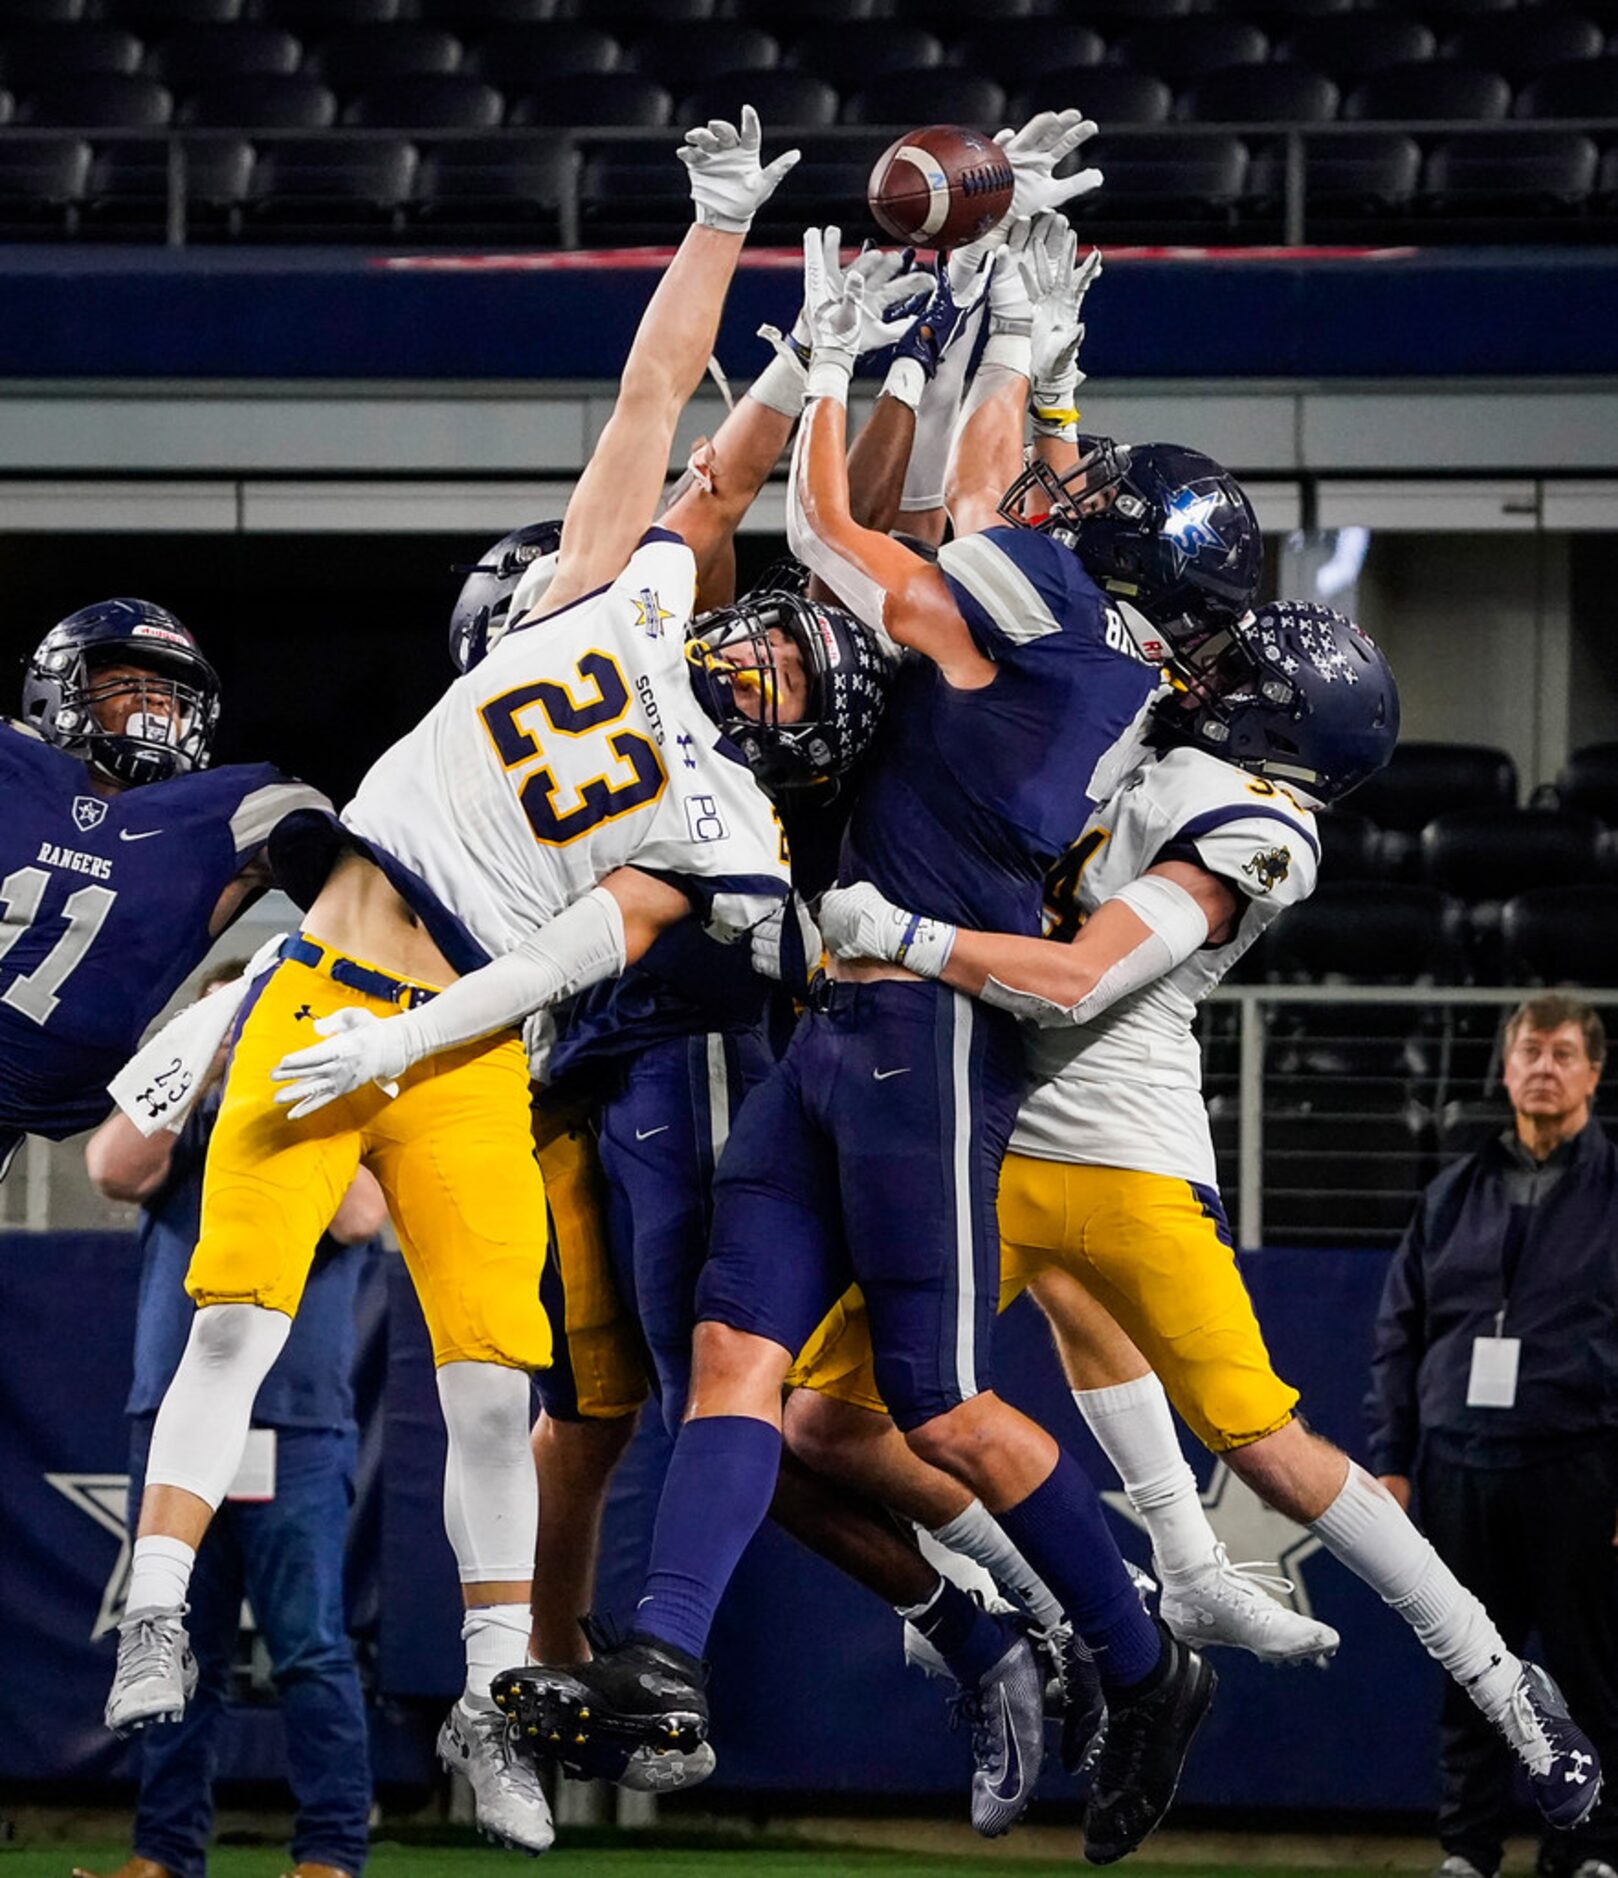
940, 186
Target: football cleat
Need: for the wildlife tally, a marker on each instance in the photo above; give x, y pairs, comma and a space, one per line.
1148, 1738
1564, 1772
479, 1744
1457, 1867
1006, 1713
634, 1693
638, 1770
1221, 1603
1079, 1703
156, 1674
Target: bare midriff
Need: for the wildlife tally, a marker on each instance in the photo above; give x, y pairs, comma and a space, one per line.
866, 971
361, 914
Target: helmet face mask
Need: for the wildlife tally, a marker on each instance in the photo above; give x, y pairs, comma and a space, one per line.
799, 723
138, 656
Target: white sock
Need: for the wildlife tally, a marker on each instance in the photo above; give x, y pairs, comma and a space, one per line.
1134, 1425
496, 1638
978, 1535
159, 1574
1365, 1527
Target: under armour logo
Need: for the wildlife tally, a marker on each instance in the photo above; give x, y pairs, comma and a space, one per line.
299, 1015
1578, 1773
687, 746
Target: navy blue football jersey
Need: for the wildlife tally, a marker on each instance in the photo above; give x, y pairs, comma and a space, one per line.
971, 795
104, 910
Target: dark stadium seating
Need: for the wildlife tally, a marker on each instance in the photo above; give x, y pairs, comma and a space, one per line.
1396, 935
1589, 782
1578, 88
683, 56
1162, 177
1498, 175
445, 101
488, 184
778, 97
853, 54
1524, 43
1350, 846
1430, 90
128, 182
154, 17
41, 184
98, 100
1562, 935
517, 57
1425, 780
39, 13
1266, 94
1482, 854
264, 102
365, 55
241, 50
1111, 95
466, 16
942, 15
44, 54
593, 99
947, 96
313, 17
1372, 172
1183, 50
1017, 59
1352, 46
313, 186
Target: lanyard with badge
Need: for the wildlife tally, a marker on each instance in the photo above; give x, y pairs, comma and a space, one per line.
1495, 1360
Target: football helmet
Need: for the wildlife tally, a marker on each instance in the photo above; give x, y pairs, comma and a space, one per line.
61, 690
1320, 711
845, 672
517, 569
1165, 532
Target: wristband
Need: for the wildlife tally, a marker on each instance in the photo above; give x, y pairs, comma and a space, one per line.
906, 381
829, 373
923, 945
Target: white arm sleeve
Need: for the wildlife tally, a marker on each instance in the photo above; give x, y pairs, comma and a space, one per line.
1177, 927
863, 597
581, 946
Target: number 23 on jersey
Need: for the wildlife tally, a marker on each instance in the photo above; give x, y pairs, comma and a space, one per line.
561, 810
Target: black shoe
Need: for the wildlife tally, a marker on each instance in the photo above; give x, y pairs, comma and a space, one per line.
1564, 1772
1084, 1705
635, 1693
1149, 1735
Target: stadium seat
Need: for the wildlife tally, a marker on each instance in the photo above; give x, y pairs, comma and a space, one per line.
1368, 172
1279, 17
1350, 846
39, 13
42, 183
99, 101
368, 55
784, 100
502, 181
831, 176
1113, 18
1580, 88
1524, 43
1501, 173
1397, 934
519, 56
1151, 177
1426, 780
592, 99
448, 101
615, 13
855, 53
242, 50
469, 16
942, 15
262, 103
1351, 46
1484, 854
325, 16
1563, 935
1111, 96
1430, 89
344, 186
128, 182
40, 55
943, 96
682, 56
154, 17
1182, 50
786, 17
1268, 94
1589, 782
1018, 59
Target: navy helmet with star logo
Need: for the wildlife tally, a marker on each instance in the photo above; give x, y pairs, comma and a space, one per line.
168, 729
1320, 710
1168, 535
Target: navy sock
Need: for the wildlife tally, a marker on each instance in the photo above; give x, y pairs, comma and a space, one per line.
970, 1641
1062, 1532
718, 1489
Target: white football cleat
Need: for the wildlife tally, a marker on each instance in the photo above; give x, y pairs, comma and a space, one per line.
1221, 1603
649, 1771
156, 1674
510, 1804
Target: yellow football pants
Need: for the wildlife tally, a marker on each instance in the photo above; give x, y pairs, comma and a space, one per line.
453, 1153
1153, 1253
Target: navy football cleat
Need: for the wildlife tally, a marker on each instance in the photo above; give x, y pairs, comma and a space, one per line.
635, 1693
1563, 1770
1083, 1704
1148, 1738
1006, 1713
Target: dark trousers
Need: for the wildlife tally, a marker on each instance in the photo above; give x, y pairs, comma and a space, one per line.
1536, 1545
286, 1557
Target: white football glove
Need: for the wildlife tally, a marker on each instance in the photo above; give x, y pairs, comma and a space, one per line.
1056, 282
858, 922
728, 183
1035, 151
847, 311
359, 1047
786, 945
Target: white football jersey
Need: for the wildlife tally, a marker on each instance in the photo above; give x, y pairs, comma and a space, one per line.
576, 747
1126, 1090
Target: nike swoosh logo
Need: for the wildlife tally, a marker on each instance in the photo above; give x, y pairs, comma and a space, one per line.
126, 834
1008, 1784
645, 1134
882, 1075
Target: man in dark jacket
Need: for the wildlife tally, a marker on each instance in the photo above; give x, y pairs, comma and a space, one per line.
1495, 1389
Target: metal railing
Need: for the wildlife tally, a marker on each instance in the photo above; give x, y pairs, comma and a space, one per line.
575, 142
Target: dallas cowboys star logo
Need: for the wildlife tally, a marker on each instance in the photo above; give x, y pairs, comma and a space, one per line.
105, 1499
1248, 1529
1188, 525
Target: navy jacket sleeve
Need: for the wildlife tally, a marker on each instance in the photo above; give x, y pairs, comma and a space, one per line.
1391, 1410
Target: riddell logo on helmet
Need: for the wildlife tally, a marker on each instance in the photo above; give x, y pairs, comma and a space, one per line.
159, 632
828, 639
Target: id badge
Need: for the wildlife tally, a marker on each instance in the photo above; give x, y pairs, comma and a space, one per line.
255, 1478
1493, 1382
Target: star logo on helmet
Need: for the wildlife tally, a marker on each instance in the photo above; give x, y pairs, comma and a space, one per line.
650, 613
1187, 525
